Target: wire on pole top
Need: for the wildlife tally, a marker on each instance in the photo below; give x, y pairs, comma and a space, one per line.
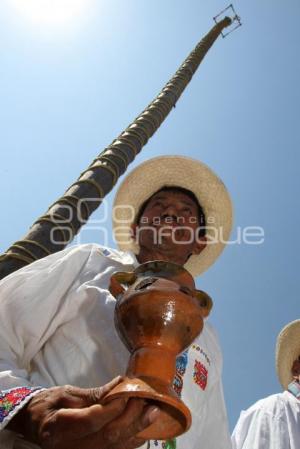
235, 19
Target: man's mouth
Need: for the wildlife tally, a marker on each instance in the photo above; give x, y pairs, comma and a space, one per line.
167, 229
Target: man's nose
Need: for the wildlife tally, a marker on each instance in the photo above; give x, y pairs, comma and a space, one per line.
170, 211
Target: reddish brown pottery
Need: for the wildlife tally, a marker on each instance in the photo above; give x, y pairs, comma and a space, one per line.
157, 317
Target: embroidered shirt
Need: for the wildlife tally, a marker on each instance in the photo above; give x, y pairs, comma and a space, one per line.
271, 423
57, 328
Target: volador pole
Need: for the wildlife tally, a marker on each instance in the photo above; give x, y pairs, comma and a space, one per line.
54, 230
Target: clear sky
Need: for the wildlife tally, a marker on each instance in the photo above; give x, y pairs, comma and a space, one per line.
73, 79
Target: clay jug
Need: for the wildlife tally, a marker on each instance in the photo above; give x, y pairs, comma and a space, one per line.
158, 314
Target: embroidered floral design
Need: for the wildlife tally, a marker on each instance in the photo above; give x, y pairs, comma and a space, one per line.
10, 399
178, 384
200, 374
170, 444
181, 363
200, 350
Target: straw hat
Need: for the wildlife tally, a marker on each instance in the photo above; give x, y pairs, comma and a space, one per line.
184, 172
287, 350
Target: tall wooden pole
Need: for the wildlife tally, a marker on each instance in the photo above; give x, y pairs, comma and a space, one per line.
54, 230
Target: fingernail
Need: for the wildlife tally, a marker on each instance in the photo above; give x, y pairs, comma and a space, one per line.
151, 415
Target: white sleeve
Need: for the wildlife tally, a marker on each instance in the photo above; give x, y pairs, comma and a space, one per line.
260, 429
33, 303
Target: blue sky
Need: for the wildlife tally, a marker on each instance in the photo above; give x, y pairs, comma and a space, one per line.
69, 87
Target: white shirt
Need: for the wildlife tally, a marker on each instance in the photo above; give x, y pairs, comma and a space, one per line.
271, 423
57, 328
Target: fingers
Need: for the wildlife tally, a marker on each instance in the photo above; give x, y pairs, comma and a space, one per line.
99, 393
64, 417
111, 426
125, 423
83, 397
131, 443
135, 419
121, 432
71, 424
151, 413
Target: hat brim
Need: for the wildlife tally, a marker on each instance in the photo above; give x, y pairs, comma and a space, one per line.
287, 351
184, 172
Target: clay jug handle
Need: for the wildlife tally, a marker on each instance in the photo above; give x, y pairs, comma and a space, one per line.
206, 303
117, 280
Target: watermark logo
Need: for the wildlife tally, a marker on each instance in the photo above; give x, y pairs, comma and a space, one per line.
160, 227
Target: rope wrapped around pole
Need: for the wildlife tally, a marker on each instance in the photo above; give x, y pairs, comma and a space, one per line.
62, 221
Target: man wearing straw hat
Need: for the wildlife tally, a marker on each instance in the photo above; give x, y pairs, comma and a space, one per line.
274, 422
56, 322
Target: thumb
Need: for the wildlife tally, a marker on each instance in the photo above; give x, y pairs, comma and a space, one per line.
90, 396
97, 394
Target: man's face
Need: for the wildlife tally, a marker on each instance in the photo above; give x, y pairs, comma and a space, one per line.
296, 368
169, 225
